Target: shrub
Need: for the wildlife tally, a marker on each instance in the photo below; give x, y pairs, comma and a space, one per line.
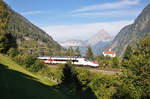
19, 59
7, 41
115, 63
103, 86
29, 60
12, 52
38, 65
33, 64
84, 78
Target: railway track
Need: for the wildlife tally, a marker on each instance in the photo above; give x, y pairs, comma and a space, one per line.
109, 69
103, 70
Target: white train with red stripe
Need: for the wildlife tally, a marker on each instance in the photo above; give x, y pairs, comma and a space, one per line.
64, 60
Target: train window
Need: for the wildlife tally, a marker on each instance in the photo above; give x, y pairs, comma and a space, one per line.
65, 60
59, 60
85, 60
75, 61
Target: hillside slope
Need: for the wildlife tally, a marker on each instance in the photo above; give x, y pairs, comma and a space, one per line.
131, 33
30, 38
17, 83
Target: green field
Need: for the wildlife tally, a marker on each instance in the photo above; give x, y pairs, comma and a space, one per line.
18, 83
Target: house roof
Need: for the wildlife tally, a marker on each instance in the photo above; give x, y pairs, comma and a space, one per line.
109, 52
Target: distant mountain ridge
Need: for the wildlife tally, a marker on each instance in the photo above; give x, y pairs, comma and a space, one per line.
30, 38
73, 43
131, 33
101, 36
100, 39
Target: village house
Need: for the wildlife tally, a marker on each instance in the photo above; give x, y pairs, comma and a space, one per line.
109, 53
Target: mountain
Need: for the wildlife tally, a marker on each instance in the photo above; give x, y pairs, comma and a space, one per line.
73, 43
101, 36
96, 48
131, 33
97, 41
30, 38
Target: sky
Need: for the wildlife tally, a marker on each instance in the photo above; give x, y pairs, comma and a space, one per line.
78, 19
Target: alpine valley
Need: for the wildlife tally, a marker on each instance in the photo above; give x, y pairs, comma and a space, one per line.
131, 33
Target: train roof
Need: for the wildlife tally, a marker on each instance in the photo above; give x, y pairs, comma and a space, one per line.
64, 56
76, 57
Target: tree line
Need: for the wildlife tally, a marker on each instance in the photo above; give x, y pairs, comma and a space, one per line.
76, 52
132, 83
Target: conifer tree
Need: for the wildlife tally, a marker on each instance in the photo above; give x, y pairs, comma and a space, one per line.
77, 52
4, 17
6, 39
89, 53
127, 53
70, 51
115, 62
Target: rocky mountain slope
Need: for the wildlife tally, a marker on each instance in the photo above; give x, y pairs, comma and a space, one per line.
97, 41
30, 38
101, 36
131, 33
97, 47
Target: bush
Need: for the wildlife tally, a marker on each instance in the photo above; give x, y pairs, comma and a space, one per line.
38, 65
19, 59
29, 60
84, 78
7, 41
103, 86
115, 63
33, 64
12, 52
108, 62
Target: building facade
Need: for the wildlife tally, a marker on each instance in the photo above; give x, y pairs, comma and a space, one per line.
109, 53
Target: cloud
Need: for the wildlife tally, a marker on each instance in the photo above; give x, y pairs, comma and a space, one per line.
34, 12
83, 31
110, 5
114, 13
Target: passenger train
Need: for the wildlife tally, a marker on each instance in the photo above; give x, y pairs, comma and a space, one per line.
75, 60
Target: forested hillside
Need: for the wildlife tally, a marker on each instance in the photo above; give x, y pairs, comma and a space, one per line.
30, 38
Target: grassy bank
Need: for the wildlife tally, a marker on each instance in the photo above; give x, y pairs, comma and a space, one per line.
18, 83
